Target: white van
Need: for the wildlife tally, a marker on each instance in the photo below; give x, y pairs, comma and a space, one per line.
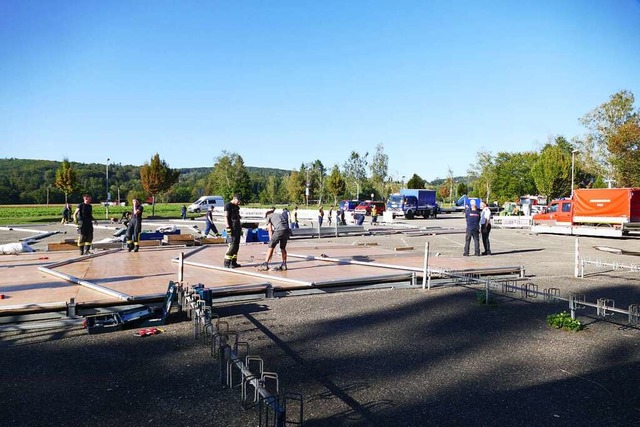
203, 203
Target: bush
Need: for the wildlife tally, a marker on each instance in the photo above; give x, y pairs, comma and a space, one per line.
481, 297
564, 321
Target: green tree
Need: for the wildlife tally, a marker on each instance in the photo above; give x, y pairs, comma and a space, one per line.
379, 170
271, 193
295, 187
355, 171
603, 123
483, 174
315, 174
552, 171
228, 177
513, 175
66, 179
462, 188
416, 182
624, 145
336, 184
599, 183
157, 177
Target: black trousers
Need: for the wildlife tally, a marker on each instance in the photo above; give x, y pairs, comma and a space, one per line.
86, 235
234, 243
485, 238
472, 234
133, 232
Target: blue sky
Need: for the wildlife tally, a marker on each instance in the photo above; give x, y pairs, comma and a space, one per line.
287, 82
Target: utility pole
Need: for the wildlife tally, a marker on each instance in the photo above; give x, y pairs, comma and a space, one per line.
573, 161
107, 204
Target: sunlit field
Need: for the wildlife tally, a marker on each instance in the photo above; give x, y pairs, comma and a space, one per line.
30, 214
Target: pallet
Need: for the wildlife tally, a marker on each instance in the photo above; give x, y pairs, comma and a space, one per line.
149, 243
62, 246
212, 240
178, 239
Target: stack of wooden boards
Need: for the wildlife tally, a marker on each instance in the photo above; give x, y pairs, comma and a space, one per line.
167, 239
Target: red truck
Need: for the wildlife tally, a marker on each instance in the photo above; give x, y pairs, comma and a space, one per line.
608, 212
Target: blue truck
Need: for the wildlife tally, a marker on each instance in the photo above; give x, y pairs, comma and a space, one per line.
464, 201
409, 202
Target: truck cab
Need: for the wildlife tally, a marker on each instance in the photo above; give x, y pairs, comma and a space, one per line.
413, 202
604, 212
558, 213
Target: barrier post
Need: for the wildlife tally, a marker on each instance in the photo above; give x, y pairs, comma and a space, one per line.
576, 268
426, 277
181, 268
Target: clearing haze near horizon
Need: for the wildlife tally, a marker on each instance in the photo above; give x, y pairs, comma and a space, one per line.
282, 83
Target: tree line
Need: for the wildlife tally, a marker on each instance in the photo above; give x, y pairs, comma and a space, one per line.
607, 155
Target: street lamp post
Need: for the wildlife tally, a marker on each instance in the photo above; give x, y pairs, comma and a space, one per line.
573, 162
107, 204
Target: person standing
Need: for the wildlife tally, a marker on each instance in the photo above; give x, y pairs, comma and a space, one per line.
374, 214
66, 214
320, 216
234, 231
472, 215
134, 227
294, 223
279, 233
209, 225
485, 227
330, 215
183, 212
83, 216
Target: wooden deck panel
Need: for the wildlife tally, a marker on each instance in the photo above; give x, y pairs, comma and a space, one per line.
150, 270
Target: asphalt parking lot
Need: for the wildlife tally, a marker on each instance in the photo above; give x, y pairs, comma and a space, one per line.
401, 357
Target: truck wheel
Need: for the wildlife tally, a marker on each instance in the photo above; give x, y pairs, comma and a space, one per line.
426, 215
409, 214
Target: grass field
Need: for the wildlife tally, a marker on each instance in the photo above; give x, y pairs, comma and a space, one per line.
33, 214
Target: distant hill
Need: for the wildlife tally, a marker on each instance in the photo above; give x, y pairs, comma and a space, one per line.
27, 181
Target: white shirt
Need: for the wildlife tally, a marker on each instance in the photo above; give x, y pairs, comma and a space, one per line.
485, 216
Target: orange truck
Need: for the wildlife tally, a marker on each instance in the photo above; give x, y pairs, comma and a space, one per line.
606, 212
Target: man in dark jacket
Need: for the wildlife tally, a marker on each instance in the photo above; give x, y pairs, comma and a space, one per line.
472, 216
134, 227
234, 231
83, 216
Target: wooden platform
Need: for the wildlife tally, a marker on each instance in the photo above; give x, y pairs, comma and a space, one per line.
149, 271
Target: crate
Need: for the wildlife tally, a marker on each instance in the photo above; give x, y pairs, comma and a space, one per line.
212, 240
179, 239
149, 243
157, 235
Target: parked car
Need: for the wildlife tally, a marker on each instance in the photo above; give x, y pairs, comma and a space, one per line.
348, 205
204, 202
364, 208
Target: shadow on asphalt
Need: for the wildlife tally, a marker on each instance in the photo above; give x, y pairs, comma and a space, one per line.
368, 358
